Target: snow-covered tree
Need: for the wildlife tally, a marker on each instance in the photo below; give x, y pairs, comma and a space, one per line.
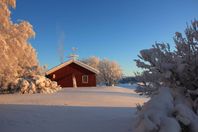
18, 58
92, 61
170, 79
110, 71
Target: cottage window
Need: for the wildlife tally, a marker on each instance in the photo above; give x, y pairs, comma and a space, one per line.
85, 79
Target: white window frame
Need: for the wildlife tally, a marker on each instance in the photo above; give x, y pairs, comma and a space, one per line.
83, 81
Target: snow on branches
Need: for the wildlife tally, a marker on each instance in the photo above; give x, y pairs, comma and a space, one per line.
18, 58
177, 71
110, 71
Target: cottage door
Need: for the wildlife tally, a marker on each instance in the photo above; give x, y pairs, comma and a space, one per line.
74, 81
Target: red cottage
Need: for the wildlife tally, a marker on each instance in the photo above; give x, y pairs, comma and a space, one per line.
73, 73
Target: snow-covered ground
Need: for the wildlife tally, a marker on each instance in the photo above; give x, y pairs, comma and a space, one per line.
101, 109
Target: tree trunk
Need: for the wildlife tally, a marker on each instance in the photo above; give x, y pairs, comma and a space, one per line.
74, 81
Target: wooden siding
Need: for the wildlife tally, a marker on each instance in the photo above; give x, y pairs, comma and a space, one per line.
63, 76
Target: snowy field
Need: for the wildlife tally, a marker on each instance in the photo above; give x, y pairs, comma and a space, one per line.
101, 109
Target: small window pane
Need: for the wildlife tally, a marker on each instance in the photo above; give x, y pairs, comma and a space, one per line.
84, 79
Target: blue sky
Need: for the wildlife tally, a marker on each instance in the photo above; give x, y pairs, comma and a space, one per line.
113, 29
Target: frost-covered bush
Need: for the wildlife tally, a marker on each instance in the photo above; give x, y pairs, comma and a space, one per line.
34, 84
174, 73
18, 59
178, 68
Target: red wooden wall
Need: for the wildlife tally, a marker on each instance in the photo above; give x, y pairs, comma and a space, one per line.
63, 76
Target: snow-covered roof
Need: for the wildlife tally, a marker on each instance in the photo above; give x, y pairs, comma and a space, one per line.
72, 61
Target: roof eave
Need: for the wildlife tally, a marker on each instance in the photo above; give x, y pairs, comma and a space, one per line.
69, 62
